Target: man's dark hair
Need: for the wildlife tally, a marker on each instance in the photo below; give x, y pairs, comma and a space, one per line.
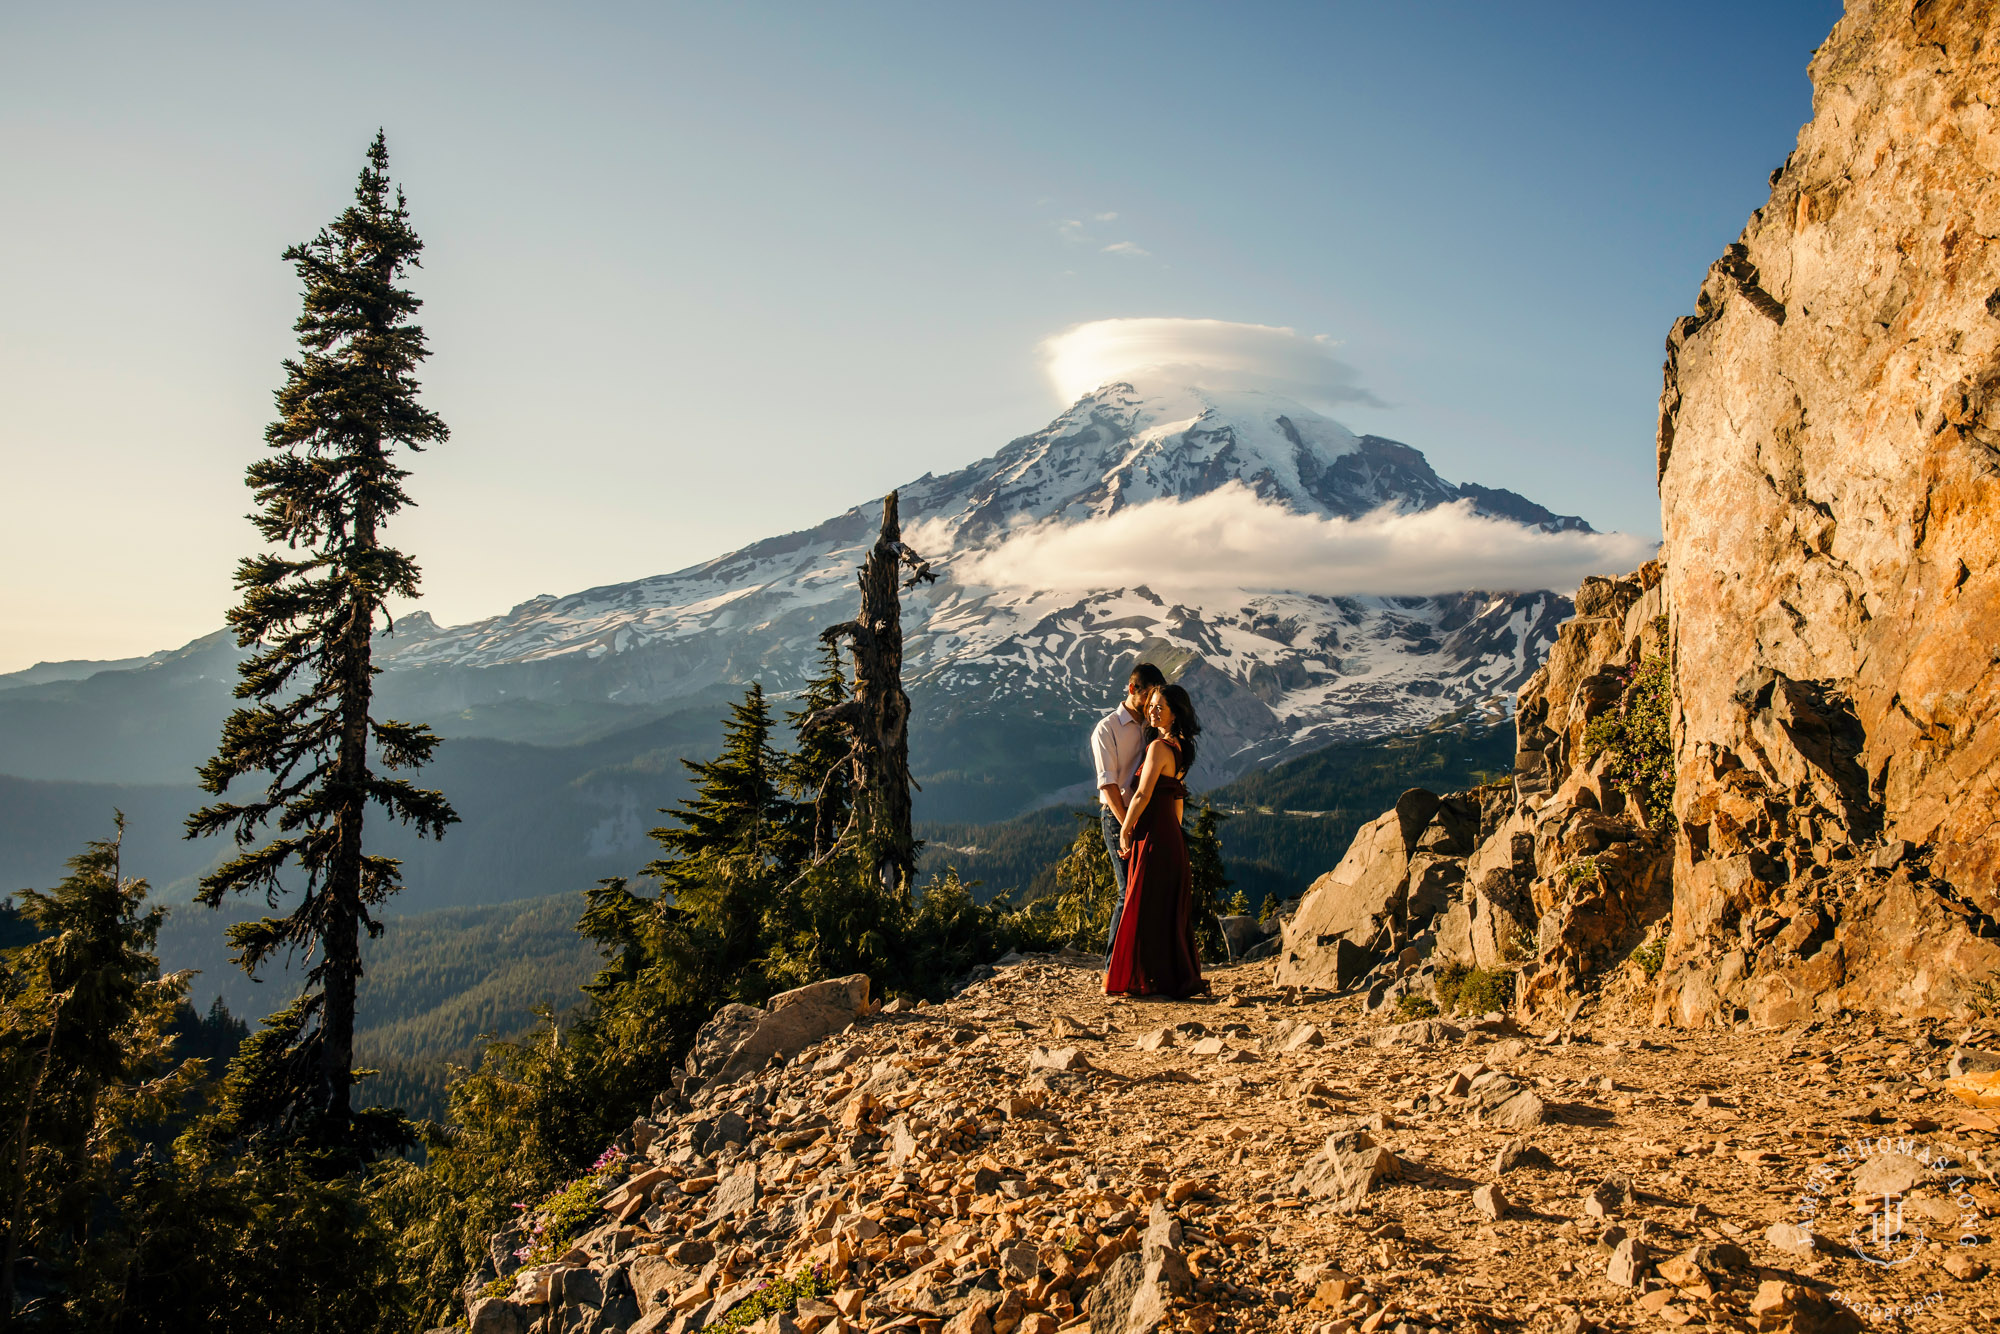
1146, 676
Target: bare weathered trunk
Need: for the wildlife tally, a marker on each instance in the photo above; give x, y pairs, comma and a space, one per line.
876, 717
346, 889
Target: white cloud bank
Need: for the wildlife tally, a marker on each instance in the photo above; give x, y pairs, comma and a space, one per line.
1229, 540
1204, 354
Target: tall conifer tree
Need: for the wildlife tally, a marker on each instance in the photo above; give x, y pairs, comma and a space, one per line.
309, 612
815, 775
721, 863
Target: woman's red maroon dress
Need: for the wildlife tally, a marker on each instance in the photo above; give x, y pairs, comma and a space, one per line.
1155, 953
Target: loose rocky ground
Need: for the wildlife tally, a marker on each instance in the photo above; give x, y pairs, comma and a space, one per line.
980, 1166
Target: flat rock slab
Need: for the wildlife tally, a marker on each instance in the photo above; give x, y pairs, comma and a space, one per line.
1066, 1060
1416, 1033
1347, 1167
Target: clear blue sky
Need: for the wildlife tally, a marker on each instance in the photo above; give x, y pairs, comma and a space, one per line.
697, 274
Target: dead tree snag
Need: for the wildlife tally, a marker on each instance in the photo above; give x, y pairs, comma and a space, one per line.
876, 716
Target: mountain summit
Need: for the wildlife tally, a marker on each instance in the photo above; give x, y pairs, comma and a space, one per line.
1117, 447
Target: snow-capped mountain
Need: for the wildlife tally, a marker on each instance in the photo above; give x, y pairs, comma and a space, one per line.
1004, 678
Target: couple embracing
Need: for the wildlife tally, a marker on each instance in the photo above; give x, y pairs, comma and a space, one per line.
1143, 750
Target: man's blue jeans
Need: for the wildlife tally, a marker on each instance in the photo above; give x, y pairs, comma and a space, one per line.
1117, 873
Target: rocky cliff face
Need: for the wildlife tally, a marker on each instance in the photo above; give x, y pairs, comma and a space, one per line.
1829, 454
1555, 878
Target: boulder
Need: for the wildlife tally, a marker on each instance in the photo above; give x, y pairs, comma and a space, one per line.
1063, 1060
1978, 1089
1361, 909
654, 1281
1241, 933
497, 1315
1431, 883
1110, 1302
708, 1134
902, 1143
1163, 1231
1305, 1035
1627, 1266
1790, 1238
1522, 1111
1453, 831
1495, 1099
1348, 904
975, 1316
1779, 1305
736, 1194
1454, 934
742, 1039
1501, 921
1972, 1061
1518, 1153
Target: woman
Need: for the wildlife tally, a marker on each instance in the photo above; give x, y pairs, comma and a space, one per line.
1155, 953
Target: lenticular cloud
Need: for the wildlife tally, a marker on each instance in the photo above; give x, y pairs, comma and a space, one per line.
1203, 354
1230, 539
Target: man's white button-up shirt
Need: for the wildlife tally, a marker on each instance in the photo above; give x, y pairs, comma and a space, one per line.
1117, 745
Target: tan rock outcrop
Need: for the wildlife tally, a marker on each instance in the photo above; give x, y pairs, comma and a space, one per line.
1398, 873
1555, 878
1829, 455
1616, 624
742, 1039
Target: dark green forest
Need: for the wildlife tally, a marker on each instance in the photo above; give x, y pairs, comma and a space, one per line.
440, 983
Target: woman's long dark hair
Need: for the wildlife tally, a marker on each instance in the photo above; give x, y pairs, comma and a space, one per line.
1186, 726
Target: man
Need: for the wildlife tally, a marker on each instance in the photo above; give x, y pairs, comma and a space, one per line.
1117, 746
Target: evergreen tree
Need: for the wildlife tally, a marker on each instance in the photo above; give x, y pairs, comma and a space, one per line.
1211, 881
814, 776
214, 1037
250, 1244
85, 1036
1085, 886
655, 990
734, 810
348, 405
720, 864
